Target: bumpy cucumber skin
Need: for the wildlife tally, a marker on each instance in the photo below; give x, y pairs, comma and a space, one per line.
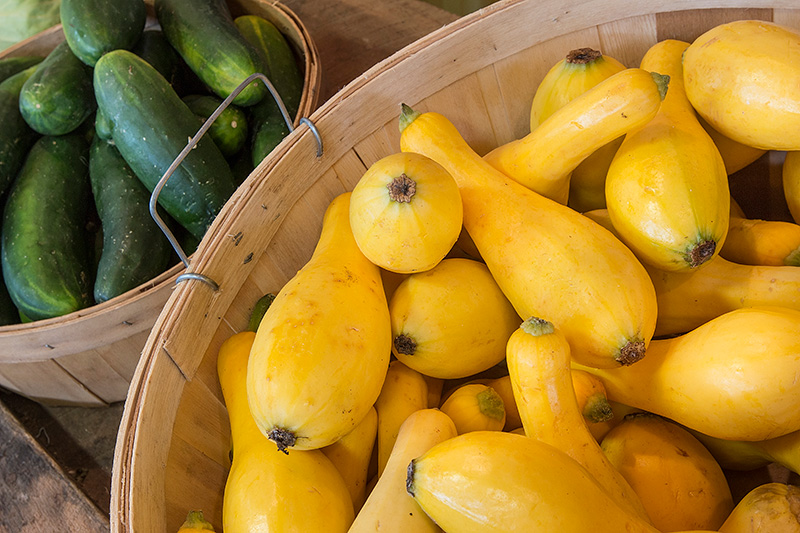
229, 130
16, 137
203, 33
134, 248
58, 97
13, 65
45, 260
283, 71
150, 127
95, 27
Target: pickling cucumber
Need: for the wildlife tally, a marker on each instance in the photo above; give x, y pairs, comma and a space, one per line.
12, 65
150, 126
135, 249
43, 249
229, 130
16, 137
95, 27
58, 97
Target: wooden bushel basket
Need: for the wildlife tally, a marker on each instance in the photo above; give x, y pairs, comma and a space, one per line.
481, 72
88, 357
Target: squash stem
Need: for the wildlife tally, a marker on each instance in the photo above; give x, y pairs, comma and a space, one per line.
662, 80
407, 116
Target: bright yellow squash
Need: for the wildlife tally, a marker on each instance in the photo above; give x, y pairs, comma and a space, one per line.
579, 71
538, 358
405, 213
404, 392
667, 188
735, 154
549, 260
351, 455
475, 407
734, 377
771, 507
267, 490
791, 183
502, 386
543, 160
749, 455
591, 396
389, 508
743, 78
195, 523
679, 482
327, 331
452, 321
498, 482
762, 242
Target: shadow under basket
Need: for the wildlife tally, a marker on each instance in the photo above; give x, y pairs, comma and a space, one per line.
480, 72
89, 357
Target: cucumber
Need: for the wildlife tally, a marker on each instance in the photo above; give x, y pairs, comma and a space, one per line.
95, 27
58, 97
154, 48
204, 35
102, 126
269, 129
134, 248
229, 130
43, 248
150, 127
12, 65
283, 70
9, 314
16, 137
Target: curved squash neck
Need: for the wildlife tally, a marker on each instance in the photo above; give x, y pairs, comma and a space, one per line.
336, 238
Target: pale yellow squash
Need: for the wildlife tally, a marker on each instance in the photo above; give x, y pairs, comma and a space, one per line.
267, 490
771, 507
389, 508
743, 78
538, 358
667, 188
549, 260
452, 321
405, 213
762, 242
734, 377
679, 482
475, 407
544, 159
499, 482
321, 353
749, 455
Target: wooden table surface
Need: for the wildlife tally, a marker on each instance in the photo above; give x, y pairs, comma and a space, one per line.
55, 463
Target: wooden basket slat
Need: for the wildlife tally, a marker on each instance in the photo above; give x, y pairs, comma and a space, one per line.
788, 17
627, 40
349, 169
688, 25
100, 377
202, 421
48, 383
285, 198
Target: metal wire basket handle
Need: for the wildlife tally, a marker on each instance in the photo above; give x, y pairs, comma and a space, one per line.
188, 148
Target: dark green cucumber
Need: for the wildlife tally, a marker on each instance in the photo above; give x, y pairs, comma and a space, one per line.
58, 97
229, 130
95, 27
16, 137
44, 256
102, 126
12, 65
283, 70
268, 129
150, 127
204, 35
9, 314
135, 249
154, 48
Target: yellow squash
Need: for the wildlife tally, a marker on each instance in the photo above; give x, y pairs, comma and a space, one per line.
502, 386
771, 507
749, 455
791, 183
327, 331
351, 455
405, 213
404, 392
762, 242
734, 377
498, 482
591, 395
667, 188
679, 482
389, 508
582, 69
538, 358
452, 321
743, 78
735, 154
475, 407
267, 490
195, 523
543, 160
549, 260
